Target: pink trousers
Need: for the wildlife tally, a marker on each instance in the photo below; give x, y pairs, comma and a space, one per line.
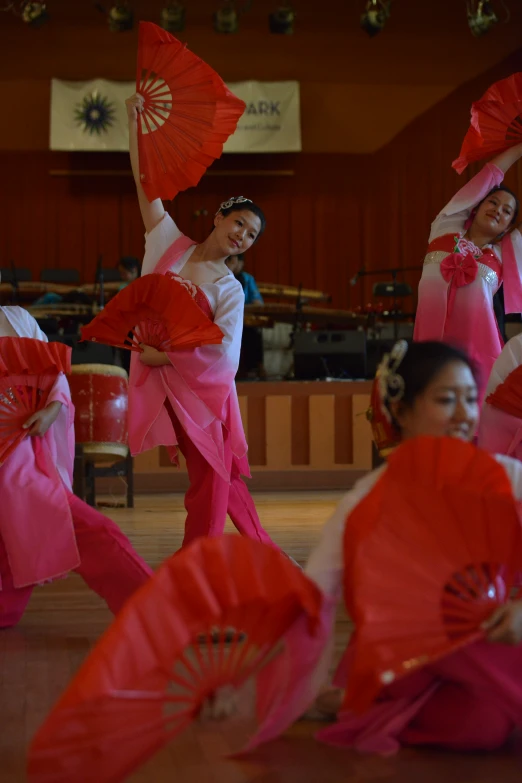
109, 564
209, 497
469, 701
458, 718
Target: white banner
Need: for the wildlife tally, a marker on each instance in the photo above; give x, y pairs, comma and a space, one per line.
91, 116
272, 118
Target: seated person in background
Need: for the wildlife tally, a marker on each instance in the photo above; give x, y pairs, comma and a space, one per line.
236, 264
129, 269
251, 357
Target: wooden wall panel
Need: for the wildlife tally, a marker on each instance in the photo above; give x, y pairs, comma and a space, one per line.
278, 434
300, 431
257, 430
343, 435
295, 435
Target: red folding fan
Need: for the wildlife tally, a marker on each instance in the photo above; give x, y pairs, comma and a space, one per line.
28, 370
155, 310
508, 395
25, 355
427, 560
496, 122
188, 114
189, 642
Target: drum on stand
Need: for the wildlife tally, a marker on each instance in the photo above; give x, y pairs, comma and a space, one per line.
100, 394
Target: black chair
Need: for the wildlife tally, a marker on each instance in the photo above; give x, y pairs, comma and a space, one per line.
86, 472
22, 275
63, 276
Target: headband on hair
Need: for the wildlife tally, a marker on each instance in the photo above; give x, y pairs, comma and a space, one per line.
390, 383
388, 386
232, 201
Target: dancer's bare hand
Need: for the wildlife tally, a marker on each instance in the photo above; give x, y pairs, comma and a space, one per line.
505, 624
42, 420
152, 357
134, 106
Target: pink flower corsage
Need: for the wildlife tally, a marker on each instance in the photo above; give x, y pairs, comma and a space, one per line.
458, 270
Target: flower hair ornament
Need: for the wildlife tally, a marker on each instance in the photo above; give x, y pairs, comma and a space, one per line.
390, 383
388, 386
232, 201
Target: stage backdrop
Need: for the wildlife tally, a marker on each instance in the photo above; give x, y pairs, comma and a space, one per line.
91, 116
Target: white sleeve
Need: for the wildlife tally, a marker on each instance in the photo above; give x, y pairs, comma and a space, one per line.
513, 468
37, 332
157, 241
326, 563
229, 317
457, 211
30, 325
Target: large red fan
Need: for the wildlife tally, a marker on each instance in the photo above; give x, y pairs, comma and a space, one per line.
190, 642
25, 355
433, 549
188, 114
508, 395
155, 310
496, 122
28, 371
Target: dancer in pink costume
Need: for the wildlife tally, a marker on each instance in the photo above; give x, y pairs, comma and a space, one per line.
45, 531
501, 432
473, 248
188, 399
470, 700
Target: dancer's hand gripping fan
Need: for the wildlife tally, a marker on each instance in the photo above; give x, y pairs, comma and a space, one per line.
28, 371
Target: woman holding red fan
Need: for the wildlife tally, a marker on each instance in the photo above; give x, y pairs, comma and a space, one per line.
473, 248
189, 400
45, 530
465, 694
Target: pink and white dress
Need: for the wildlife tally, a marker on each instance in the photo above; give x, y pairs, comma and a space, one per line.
45, 531
191, 404
459, 279
198, 384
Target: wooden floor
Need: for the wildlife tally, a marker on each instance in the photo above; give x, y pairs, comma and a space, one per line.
64, 620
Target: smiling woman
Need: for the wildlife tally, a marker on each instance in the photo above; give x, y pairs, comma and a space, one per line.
187, 399
474, 247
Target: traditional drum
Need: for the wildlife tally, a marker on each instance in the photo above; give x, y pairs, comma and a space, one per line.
101, 397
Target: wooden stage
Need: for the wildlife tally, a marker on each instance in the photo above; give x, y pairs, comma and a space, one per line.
64, 620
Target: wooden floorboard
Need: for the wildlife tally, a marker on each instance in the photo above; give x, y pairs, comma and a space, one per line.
64, 619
